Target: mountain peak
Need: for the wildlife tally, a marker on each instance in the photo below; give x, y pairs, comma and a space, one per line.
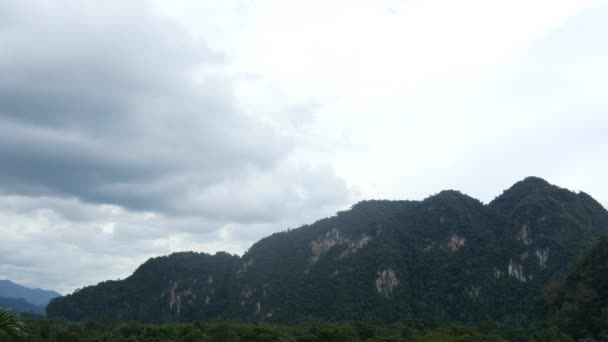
528, 184
450, 194
402, 257
534, 181
453, 197
520, 190
9, 289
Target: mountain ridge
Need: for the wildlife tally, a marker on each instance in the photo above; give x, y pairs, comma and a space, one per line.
449, 255
35, 296
20, 305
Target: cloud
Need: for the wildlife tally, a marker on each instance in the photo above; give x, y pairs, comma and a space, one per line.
114, 105
134, 129
121, 138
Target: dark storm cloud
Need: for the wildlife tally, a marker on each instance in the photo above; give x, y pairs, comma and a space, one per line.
121, 138
113, 105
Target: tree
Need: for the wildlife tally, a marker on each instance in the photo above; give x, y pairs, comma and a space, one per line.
10, 323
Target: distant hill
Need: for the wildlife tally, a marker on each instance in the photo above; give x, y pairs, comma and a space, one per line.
449, 257
20, 305
37, 297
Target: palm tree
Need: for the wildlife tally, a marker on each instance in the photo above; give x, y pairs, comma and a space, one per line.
10, 323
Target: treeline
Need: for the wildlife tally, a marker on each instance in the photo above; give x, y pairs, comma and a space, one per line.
410, 330
573, 310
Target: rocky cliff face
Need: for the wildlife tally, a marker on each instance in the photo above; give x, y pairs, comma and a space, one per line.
449, 256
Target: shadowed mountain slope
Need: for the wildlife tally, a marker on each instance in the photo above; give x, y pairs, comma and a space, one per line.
449, 256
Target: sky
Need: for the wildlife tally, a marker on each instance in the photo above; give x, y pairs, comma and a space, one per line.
134, 129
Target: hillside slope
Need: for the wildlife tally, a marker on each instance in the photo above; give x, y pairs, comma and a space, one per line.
38, 297
449, 256
579, 305
20, 305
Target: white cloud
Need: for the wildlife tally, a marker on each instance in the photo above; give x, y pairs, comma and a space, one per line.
64, 243
241, 118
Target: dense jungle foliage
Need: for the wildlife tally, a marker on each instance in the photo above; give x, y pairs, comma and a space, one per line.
579, 305
410, 330
574, 310
449, 257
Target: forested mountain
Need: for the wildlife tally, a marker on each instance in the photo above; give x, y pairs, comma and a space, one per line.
449, 257
579, 305
37, 297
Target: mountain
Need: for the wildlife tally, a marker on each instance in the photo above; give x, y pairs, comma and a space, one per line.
20, 305
449, 257
579, 305
37, 297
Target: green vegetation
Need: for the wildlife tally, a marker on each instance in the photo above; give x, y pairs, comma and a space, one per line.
409, 330
579, 305
10, 324
574, 310
449, 257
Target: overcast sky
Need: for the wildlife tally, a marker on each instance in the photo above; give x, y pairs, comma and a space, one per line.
131, 129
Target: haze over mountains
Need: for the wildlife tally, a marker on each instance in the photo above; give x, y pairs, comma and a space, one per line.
24, 299
449, 257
